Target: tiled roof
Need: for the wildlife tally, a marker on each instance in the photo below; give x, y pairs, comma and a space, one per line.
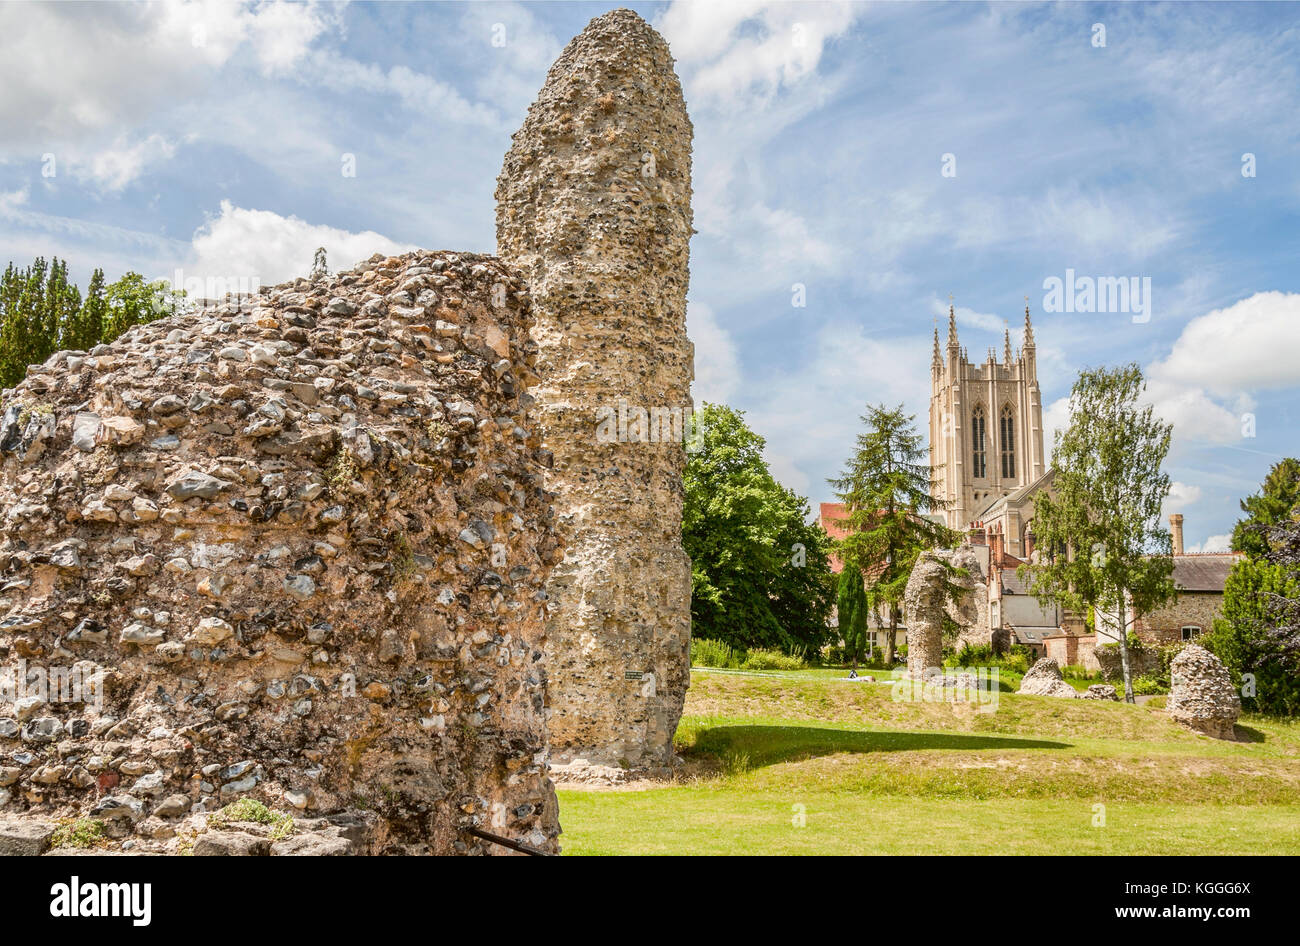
1206, 572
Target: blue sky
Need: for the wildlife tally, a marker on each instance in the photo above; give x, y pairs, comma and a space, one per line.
212, 137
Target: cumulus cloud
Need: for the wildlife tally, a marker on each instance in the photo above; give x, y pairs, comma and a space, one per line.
116, 166
1056, 416
118, 63
810, 412
246, 244
717, 363
743, 53
12, 200
1215, 543
1209, 379
1181, 496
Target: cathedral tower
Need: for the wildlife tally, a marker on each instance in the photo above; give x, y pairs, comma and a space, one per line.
986, 424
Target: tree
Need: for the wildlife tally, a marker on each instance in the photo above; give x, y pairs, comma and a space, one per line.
1258, 630
1102, 541
886, 491
86, 329
852, 609
41, 312
760, 572
1271, 506
132, 301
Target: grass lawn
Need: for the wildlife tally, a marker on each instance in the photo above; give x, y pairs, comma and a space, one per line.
804, 763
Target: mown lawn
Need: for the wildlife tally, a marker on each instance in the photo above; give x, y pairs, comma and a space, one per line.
787, 765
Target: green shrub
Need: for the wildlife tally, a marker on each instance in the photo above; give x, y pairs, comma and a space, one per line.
1076, 672
1149, 686
772, 660
1016, 660
708, 653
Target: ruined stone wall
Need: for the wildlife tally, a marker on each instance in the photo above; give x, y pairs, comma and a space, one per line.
306, 544
594, 209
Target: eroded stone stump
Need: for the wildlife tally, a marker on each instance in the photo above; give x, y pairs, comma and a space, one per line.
925, 605
594, 209
1201, 695
304, 542
1044, 679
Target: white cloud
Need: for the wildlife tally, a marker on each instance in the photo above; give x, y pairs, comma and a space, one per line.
810, 413
116, 166
244, 243
983, 321
12, 200
741, 54
282, 33
1250, 345
1208, 380
1055, 417
1181, 496
1215, 543
120, 63
717, 363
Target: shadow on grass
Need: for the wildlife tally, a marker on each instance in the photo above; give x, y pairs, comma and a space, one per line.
769, 745
1247, 734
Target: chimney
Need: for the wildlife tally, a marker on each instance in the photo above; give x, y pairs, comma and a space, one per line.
1176, 530
1029, 545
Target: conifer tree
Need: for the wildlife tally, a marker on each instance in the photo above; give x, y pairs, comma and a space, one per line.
886, 491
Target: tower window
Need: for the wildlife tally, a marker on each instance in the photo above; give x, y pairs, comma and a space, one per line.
1007, 430
977, 434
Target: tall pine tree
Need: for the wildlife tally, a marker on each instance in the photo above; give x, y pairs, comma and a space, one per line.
886, 491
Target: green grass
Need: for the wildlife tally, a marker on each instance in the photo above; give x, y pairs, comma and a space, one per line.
878, 775
721, 819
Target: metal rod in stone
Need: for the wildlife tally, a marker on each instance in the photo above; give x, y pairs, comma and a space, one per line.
507, 842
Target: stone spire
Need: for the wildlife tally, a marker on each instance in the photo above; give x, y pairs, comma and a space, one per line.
1006, 346
952, 326
594, 207
936, 361
1029, 328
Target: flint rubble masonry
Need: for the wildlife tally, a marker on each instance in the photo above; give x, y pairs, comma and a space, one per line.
253, 520
593, 207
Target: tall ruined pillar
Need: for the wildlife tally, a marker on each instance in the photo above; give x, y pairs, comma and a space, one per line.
593, 207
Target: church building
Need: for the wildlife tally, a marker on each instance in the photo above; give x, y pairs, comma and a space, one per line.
989, 462
986, 429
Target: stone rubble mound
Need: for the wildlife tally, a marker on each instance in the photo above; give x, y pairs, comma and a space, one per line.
1201, 696
304, 539
1044, 679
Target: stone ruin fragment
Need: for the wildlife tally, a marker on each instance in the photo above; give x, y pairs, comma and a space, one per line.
593, 207
303, 543
926, 603
1044, 679
1201, 695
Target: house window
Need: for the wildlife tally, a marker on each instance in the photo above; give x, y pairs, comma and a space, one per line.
977, 441
1007, 437
1190, 631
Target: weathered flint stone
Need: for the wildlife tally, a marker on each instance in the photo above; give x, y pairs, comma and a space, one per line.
299, 626
593, 206
1202, 696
